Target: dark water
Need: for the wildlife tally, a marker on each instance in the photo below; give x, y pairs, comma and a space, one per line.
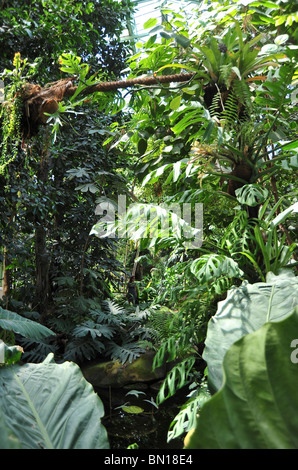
147, 429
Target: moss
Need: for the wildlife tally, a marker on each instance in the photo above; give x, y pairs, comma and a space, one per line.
115, 374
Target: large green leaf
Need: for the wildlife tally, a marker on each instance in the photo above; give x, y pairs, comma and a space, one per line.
251, 194
211, 266
51, 406
30, 329
245, 310
7, 439
257, 406
177, 378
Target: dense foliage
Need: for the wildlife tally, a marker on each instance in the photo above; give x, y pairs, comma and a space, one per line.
225, 141
53, 268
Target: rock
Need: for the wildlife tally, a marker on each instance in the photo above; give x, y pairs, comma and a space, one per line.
115, 374
156, 386
140, 386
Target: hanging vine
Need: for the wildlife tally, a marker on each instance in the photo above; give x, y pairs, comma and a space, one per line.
11, 114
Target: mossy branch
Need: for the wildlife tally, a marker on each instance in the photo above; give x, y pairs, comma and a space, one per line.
39, 102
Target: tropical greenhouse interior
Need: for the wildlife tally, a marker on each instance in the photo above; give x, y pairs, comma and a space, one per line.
148, 226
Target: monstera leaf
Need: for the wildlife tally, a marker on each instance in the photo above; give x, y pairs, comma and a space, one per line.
245, 310
251, 195
257, 406
50, 406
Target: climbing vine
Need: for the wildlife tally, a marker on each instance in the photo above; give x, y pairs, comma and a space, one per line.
11, 112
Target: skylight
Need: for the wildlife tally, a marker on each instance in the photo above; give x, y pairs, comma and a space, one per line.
147, 9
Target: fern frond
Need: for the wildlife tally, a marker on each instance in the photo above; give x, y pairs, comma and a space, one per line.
229, 115
140, 315
215, 106
225, 74
113, 308
242, 93
164, 323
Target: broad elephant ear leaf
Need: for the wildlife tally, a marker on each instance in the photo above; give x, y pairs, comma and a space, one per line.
30, 329
7, 439
257, 406
245, 310
51, 406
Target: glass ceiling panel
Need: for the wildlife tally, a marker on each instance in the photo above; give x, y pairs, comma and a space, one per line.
146, 9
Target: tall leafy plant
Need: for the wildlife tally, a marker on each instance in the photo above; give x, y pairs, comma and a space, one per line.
102, 330
39, 206
246, 309
254, 409
225, 134
11, 321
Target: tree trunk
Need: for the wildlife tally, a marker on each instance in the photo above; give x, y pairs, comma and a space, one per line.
7, 275
42, 270
41, 255
6, 283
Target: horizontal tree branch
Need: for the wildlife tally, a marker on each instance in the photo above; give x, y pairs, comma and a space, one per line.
155, 80
39, 101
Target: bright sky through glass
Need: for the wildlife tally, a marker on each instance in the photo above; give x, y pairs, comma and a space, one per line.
144, 10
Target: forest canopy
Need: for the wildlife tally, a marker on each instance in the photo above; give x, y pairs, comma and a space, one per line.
148, 203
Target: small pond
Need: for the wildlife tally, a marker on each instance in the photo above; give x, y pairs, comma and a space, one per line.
147, 429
